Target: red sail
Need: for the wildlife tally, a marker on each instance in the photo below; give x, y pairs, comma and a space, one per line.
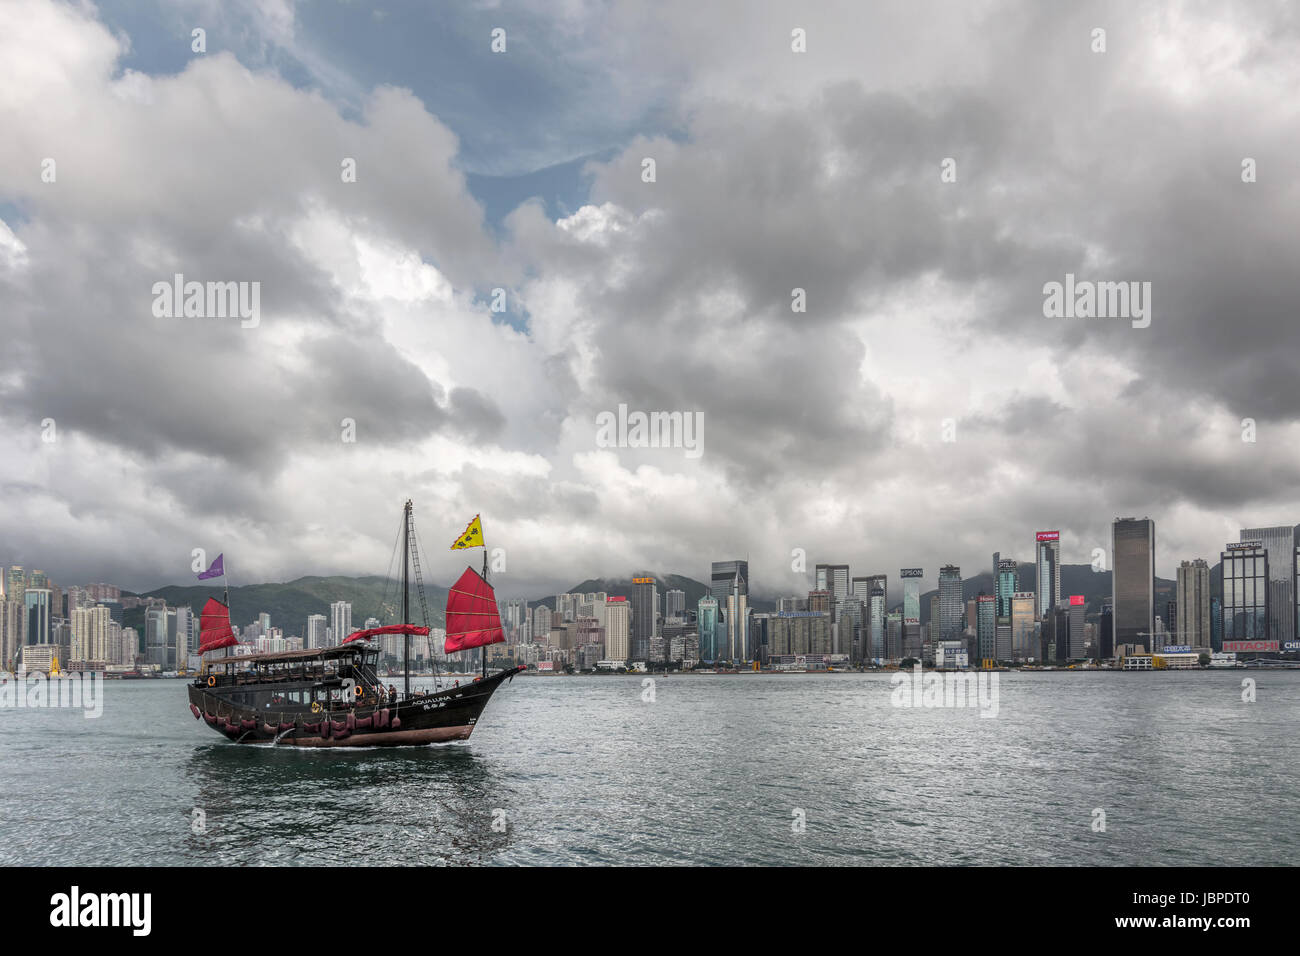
472, 618
386, 629
214, 627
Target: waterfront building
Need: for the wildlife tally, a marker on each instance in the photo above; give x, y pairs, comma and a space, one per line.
985, 628
1280, 542
1245, 609
645, 600
730, 587
1023, 646
1133, 577
833, 578
708, 622
1192, 615
876, 616
36, 603
950, 603
618, 629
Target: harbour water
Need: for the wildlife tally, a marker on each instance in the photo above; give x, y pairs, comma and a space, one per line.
726, 769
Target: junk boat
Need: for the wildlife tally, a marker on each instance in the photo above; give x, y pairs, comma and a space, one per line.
334, 696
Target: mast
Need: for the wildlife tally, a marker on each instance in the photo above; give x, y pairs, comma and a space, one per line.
482, 651
406, 594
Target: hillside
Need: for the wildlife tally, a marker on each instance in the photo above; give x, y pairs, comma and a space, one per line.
290, 603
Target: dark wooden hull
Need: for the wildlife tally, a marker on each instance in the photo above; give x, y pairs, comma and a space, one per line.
449, 714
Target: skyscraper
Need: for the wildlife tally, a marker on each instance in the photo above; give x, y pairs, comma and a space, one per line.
36, 602
617, 628
1022, 625
1047, 569
876, 624
730, 582
1280, 542
340, 621
951, 605
1193, 605
674, 603
986, 627
911, 623
1245, 607
833, 578
1006, 583
709, 626
314, 638
1133, 581
645, 601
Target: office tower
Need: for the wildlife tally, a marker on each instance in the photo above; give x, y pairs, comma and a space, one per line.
645, 599
1106, 632
1022, 625
1216, 624
1078, 610
1047, 569
542, 618
1246, 609
1133, 580
1192, 615
1006, 583
340, 622
894, 636
911, 611
951, 604
314, 638
12, 634
1280, 542
726, 577
130, 646
985, 627
674, 603
833, 578
869, 583
264, 622
1002, 642
36, 602
820, 602
875, 638
849, 616
618, 628
187, 630
39, 579
730, 587
155, 636
708, 623
791, 604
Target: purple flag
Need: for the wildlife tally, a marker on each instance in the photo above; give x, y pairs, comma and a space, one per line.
215, 570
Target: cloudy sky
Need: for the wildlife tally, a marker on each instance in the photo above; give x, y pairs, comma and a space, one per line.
130, 439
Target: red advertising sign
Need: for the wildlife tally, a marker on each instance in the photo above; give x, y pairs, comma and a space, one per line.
1077, 599
1049, 536
1239, 646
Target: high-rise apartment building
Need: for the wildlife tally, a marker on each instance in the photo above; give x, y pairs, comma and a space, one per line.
340, 621
645, 604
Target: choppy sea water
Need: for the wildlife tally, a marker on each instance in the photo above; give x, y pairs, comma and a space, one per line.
712, 770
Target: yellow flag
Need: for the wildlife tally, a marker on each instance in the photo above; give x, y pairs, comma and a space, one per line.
472, 538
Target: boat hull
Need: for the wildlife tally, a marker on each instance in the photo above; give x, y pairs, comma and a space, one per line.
440, 717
